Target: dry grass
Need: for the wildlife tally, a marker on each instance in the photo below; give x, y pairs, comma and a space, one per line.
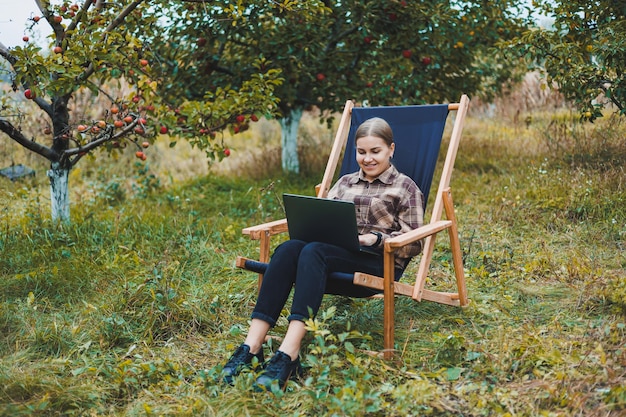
131, 309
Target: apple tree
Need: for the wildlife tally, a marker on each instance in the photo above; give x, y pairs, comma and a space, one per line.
583, 52
384, 51
95, 47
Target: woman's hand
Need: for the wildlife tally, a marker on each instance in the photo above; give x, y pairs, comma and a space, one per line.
368, 239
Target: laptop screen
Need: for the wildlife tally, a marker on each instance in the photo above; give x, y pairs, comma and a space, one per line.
314, 219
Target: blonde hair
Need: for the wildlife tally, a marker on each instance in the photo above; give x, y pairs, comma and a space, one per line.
376, 127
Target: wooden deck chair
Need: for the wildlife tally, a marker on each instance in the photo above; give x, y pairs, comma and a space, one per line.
418, 133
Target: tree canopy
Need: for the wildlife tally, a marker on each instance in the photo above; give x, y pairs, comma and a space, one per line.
383, 52
98, 47
584, 52
389, 52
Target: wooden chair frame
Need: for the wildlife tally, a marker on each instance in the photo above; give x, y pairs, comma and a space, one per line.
428, 232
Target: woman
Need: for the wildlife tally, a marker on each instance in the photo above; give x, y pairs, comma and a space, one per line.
387, 202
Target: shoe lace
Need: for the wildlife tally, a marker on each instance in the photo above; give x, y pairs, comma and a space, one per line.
276, 364
238, 356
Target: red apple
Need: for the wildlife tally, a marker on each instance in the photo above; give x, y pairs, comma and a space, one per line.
128, 119
201, 41
226, 152
29, 94
118, 123
139, 154
368, 39
163, 130
406, 53
320, 77
25, 38
36, 19
145, 144
57, 19
254, 117
143, 62
426, 60
139, 130
57, 50
241, 118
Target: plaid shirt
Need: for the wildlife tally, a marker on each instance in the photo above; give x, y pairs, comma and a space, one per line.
392, 204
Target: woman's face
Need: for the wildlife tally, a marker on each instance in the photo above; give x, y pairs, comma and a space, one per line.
373, 155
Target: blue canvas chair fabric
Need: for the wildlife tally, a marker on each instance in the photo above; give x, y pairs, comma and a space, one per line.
418, 133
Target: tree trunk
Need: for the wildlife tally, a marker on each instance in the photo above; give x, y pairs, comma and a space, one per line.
59, 193
289, 141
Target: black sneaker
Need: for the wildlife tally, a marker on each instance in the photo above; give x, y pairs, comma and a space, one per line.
240, 360
280, 368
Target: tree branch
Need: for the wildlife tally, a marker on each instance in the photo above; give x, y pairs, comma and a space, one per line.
16, 135
612, 97
104, 137
6, 54
44, 105
41, 6
57, 28
333, 42
79, 16
120, 18
114, 23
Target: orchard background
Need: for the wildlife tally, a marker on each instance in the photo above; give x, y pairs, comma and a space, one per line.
179, 123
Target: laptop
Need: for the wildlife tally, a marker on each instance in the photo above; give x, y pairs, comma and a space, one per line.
314, 219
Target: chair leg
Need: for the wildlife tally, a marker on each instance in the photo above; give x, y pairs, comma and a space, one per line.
422, 272
389, 306
455, 246
264, 255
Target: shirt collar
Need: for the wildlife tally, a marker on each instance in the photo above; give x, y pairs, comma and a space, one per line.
386, 177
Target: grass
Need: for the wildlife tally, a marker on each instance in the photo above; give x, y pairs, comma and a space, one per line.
132, 308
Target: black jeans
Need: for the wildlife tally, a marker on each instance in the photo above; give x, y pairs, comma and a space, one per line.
306, 267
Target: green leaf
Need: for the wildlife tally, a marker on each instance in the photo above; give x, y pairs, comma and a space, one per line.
452, 374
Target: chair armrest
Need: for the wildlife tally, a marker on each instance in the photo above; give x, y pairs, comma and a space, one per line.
404, 239
273, 228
